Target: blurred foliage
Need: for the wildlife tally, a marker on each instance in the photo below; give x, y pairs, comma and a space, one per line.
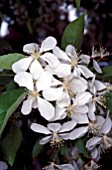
32, 21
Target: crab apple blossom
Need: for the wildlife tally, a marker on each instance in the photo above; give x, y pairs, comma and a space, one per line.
34, 99
101, 142
55, 132
37, 53
73, 61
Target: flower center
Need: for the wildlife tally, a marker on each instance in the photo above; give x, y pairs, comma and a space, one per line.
34, 93
74, 63
36, 55
67, 87
70, 107
107, 142
100, 100
56, 140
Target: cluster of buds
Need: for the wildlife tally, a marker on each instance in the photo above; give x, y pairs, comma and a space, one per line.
67, 95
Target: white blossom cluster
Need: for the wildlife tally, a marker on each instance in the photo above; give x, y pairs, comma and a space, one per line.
63, 88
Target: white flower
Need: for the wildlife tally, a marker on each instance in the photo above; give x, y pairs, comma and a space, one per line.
66, 167
95, 126
36, 54
55, 131
91, 166
95, 63
95, 87
73, 61
75, 108
54, 166
3, 165
70, 85
25, 79
102, 141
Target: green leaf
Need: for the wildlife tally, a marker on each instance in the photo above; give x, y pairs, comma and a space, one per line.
9, 102
1, 15
11, 86
63, 149
109, 101
36, 149
80, 143
11, 143
107, 73
77, 3
73, 33
6, 61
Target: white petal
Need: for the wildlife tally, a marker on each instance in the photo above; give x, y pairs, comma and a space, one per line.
30, 48
48, 44
35, 103
45, 140
80, 109
94, 153
36, 69
24, 79
107, 125
91, 143
40, 128
27, 106
51, 59
85, 71
44, 81
82, 98
65, 167
64, 100
60, 113
80, 118
96, 66
91, 111
78, 85
85, 58
3, 165
64, 136
61, 54
63, 70
46, 109
22, 65
52, 94
70, 50
100, 120
78, 132
99, 85
67, 126
54, 127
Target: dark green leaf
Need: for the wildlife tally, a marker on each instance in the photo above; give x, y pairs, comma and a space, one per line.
29, 26
11, 86
73, 33
11, 143
9, 102
63, 149
109, 102
107, 73
6, 61
77, 3
37, 149
80, 143
1, 15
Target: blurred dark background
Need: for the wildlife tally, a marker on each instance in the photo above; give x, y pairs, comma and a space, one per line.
26, 21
